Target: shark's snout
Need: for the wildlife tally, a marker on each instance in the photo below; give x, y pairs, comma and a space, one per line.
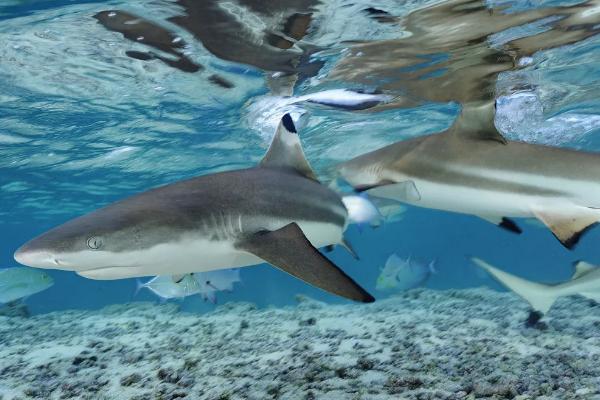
37, 258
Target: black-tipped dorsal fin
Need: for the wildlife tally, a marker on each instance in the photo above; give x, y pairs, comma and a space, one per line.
582, 268
476, 121
286, 151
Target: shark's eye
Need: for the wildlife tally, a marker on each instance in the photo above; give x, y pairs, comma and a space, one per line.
95, 242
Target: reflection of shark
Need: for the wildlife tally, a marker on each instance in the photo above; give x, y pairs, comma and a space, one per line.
151, 34
472, 169
585, 282
245, 31
277, 212
455, 50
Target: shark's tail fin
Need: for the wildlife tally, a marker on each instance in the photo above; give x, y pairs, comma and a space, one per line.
138, 286
540, 296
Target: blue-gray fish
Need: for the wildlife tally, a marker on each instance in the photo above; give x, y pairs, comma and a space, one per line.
276, 212
403, 274
19, 282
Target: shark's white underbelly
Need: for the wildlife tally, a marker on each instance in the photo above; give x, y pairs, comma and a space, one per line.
501, 192
195, 254
467, 200
487, 202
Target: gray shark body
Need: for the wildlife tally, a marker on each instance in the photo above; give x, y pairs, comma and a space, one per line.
276, 212
472, 169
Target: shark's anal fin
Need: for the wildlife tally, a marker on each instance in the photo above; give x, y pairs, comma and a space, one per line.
289, 250
504, 223
567, 223
510, 225
286, 151
476, 121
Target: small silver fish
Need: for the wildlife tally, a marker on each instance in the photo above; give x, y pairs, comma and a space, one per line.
18, 282
169, 287
361, 210
212, 282
400, 274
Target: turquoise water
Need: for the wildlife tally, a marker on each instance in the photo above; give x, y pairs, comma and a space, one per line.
82, 125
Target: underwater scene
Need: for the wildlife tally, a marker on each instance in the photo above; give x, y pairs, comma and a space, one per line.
299, 199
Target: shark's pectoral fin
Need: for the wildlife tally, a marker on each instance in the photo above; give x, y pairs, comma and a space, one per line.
567, 223
286, 151
289, 250
503, 222
582, 268
403, 191
364, 188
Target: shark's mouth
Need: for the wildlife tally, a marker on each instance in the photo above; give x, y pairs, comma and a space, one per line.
112, 272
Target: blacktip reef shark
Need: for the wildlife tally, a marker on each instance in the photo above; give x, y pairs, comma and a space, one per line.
472, 169
276, 212
585, 282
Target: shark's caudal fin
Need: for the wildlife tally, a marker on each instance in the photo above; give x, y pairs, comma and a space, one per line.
286, 151
289, 250
476, 121
567, 223
540, 296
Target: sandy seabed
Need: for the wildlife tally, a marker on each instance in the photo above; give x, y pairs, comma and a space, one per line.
424, 344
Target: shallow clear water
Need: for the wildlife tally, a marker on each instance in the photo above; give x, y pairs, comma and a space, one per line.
83, 124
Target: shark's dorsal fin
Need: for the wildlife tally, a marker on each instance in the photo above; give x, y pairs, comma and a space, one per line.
582, 268
476, 121
286, 151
